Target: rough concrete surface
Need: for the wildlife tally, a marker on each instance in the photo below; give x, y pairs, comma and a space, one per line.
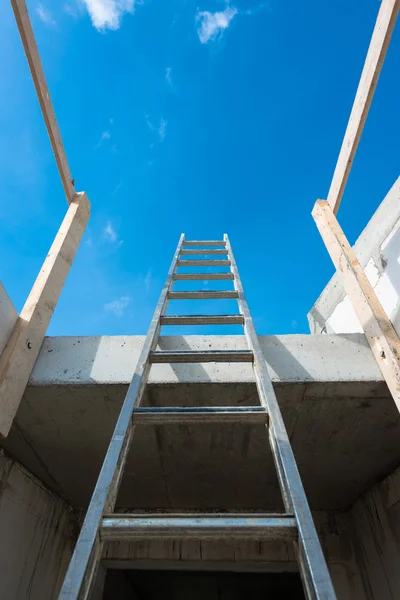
342, 422
37, 536
8, 317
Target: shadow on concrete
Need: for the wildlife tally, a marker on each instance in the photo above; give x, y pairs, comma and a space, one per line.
177, 367
278, 357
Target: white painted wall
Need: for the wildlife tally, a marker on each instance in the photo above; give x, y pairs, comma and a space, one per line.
383, 272
36, 536
378, 251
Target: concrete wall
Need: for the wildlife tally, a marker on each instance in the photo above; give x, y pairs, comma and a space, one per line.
335, 531
378, 250
36, 536
8, 317
376, 519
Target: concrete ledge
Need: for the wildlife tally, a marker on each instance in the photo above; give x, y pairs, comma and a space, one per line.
341, 419
290, 358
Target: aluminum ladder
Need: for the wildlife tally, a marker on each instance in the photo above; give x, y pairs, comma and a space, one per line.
101, 524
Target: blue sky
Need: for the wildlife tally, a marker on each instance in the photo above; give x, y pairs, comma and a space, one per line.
201, 117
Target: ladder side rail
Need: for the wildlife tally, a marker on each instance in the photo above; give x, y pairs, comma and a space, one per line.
82, 569
314, 569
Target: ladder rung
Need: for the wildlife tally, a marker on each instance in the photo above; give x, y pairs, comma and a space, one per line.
166, 415
203, 295
195, 515
127, 527
202, 320
203, 263
202, 276
205, 251
204, 243
201, 356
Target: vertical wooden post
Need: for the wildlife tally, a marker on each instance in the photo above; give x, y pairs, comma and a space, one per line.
19, 355
384, 26
43, 94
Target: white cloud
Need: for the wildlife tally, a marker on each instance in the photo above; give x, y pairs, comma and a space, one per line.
110, 234
162, 129
117, 188
72, 10
106, 135
149, 123
168, 77
117, 307
148, 279
45, 15
212, 25
107, 14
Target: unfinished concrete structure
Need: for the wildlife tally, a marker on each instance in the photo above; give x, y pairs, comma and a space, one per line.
332, 389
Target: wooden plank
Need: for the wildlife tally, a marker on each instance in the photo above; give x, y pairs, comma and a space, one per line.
205, 251
204, 243
39, 80
120, 527
200, 356
202, 276
202, 320
366, 88
204, 263
227, 414
379, 331
203, 295
19, 355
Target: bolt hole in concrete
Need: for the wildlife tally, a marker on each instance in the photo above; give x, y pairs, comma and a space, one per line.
182, 585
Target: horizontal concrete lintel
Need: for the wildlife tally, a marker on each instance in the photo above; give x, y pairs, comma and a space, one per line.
290, 358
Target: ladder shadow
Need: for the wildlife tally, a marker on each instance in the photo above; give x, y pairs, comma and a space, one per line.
181, 344
281, 360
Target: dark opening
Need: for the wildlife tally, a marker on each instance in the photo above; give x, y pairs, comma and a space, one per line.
195, 585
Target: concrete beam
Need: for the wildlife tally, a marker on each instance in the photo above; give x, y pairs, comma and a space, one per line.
341, 419
110, 360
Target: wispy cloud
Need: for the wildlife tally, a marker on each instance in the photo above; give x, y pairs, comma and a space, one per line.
117, 307
106, 135
110, 235
107, 14
117, 188
72, 9
45, 15
212, 25
162, 129
168, 77
148, 279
